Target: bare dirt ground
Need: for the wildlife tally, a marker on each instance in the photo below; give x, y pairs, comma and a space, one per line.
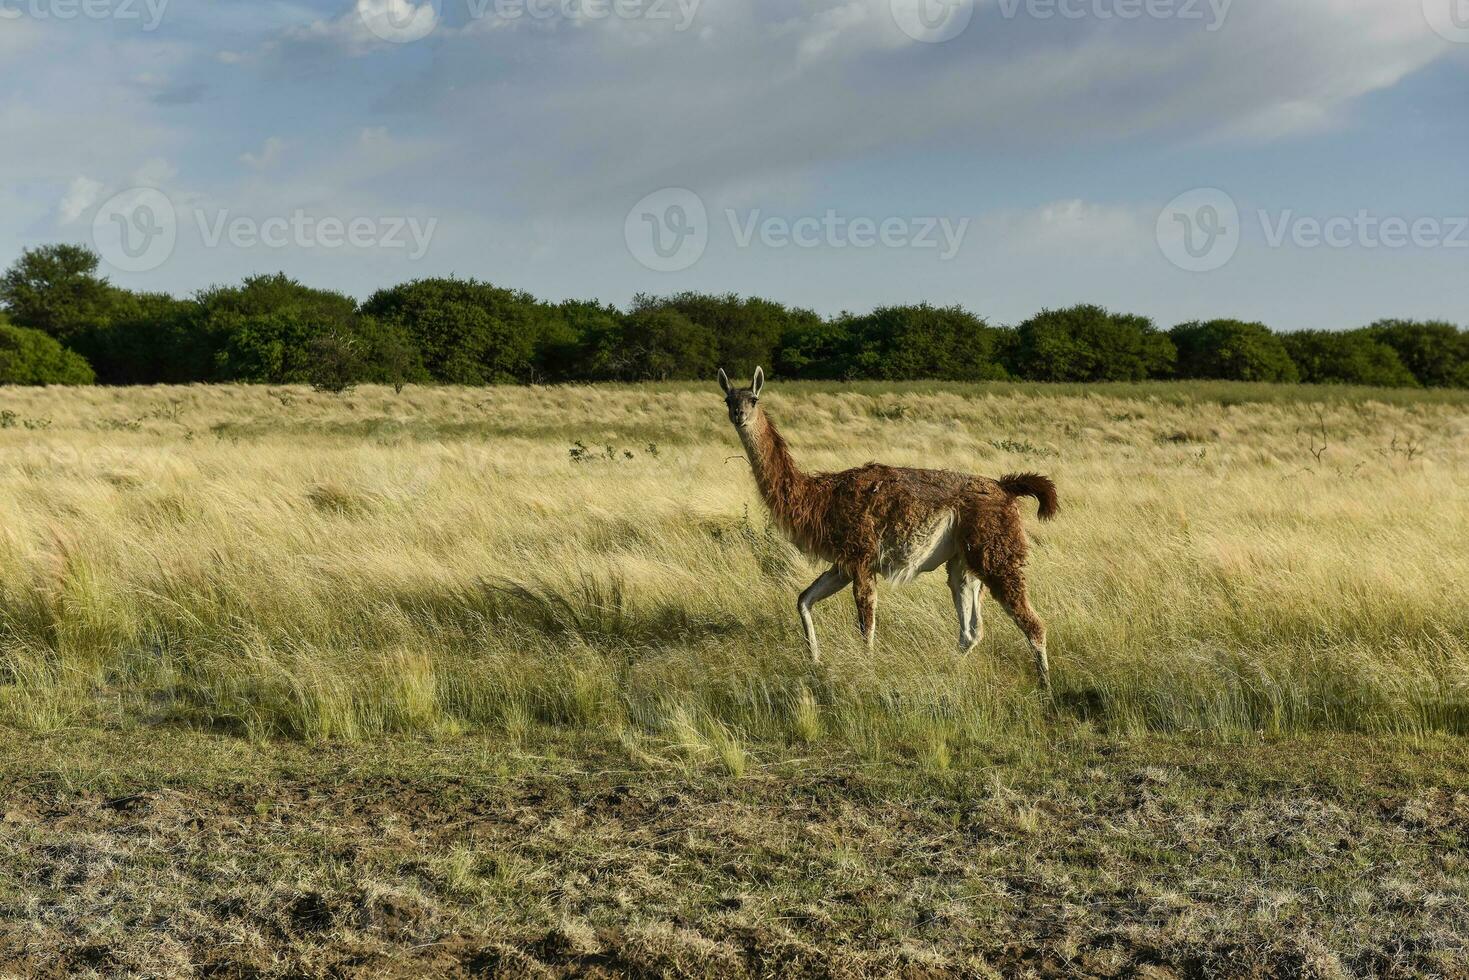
140, 853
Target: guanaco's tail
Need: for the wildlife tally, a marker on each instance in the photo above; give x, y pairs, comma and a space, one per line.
1033, 485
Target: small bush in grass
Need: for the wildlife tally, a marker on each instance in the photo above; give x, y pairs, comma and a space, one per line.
335, 363
806, 724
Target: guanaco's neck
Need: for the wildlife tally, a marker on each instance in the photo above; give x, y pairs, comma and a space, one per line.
776, 474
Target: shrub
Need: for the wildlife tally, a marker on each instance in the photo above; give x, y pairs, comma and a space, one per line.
1352, 357
31, 357
1088, 343
815, 348
334, 362
1231, 350
150, 338
747, 332
653, 343
388, 355
264, 328
569, 342
902, 343
273, 329
468, 332
1436, 353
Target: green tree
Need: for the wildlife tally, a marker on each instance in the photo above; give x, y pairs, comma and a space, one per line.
56, 289
748, 331
334, 361
1231, 350
816, 348
389, 355
913, 342
654, 343
265, 330
569, 345
1088, 343
272, 293
1351, 357
271, 348
31, 357
468, 332
150, 338
1437, 353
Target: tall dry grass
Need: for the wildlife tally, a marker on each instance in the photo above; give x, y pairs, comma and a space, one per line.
278, 562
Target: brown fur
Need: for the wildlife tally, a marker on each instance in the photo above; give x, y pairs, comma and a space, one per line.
1033, 485
861, 519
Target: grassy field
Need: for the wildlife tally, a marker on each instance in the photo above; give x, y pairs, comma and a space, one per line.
511, 680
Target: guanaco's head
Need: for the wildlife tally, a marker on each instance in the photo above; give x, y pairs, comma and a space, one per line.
743, 403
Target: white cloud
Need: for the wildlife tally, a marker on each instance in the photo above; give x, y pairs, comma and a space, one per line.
72, 108
772, 92
367, 26
1075, 225
825, 31
156, 172
269, 155
81, 194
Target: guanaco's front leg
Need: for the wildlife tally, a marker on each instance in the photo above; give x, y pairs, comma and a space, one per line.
865, 592
832, 581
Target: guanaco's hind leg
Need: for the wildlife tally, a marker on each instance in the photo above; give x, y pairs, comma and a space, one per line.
1009, 592
976, 614
966, 591
832, 581
866, 596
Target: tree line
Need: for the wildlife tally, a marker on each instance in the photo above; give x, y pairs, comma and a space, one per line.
61, 322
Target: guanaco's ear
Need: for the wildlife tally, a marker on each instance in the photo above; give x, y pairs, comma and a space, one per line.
759, 381
723, 381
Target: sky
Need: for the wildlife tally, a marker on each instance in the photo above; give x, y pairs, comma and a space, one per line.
1297, 162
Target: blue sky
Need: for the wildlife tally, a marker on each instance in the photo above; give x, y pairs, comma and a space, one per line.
1048, 136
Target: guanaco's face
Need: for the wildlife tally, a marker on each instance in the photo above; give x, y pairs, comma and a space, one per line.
743, 403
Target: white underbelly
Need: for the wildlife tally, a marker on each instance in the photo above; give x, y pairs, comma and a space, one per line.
904, 561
